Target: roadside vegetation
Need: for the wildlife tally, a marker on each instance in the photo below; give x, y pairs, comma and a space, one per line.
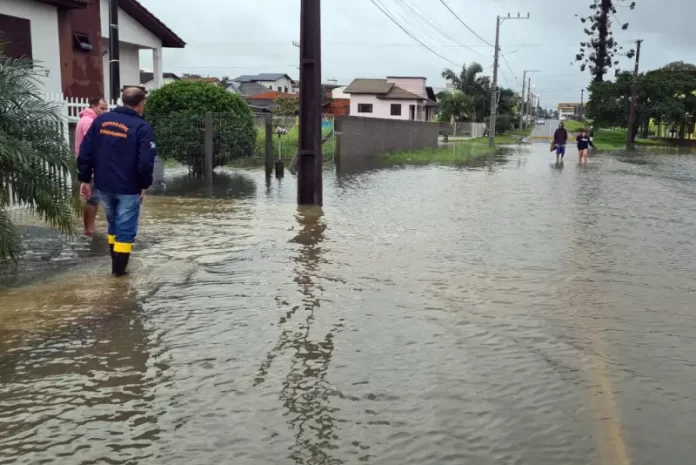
35, 159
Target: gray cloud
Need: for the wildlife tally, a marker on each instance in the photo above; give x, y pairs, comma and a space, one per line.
231, 38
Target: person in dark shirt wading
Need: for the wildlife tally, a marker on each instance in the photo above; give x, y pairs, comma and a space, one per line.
119, 152
584, 142
560, 138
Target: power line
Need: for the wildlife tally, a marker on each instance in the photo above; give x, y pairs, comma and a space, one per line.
466, 25
425, 21
374, 2
508, 65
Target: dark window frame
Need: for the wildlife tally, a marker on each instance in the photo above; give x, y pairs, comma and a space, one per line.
394, 107
365, 108
15, 33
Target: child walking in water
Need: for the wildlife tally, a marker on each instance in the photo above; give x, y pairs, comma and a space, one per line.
584, 142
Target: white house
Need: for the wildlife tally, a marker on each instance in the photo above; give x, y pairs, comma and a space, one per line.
339, 93
147, 79
275, 81
405, 98
139, 30
70, 40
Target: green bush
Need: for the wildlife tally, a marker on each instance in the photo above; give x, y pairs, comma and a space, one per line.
177, 112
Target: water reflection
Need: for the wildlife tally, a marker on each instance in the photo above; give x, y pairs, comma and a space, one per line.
306, 392
224, 185
79, 387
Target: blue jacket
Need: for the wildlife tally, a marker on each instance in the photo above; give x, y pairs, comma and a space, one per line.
119, 151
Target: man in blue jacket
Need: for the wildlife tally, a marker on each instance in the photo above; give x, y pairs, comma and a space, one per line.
119, 151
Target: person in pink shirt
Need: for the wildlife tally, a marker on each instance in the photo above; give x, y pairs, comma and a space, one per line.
97, 106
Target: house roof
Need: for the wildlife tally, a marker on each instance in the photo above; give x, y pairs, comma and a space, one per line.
146, 76
397, 93
211, 80
139, 13
261, 77
431, 94
369, 86
66, 3
152, 23
406, 77
381, 88
247, 89
270, 95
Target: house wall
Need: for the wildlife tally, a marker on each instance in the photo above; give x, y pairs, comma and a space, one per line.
129, 30
282, 83
130, 67
361, 138
380, 108
44, 37
413, 85
338, 93
81, 71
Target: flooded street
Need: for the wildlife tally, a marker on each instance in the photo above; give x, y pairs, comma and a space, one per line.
515, 313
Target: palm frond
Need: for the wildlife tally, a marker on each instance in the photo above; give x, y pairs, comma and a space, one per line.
10, 243
35, 161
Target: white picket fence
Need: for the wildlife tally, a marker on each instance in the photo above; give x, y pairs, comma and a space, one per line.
70, 108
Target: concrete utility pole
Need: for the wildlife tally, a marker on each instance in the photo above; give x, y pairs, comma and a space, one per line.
582, 104
114, 52
523, 109
634, 99
529, 96
494, 87
309, 170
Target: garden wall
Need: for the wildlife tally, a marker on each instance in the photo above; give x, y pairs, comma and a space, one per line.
359, 138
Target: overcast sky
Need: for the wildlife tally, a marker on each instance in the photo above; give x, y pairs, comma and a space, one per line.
229, 38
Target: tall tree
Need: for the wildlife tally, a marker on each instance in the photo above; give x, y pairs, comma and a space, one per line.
473, 84
600, 51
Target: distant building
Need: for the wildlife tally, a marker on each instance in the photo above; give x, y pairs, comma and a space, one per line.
209, 80
396, 97
570, 110
147, 79
278, 82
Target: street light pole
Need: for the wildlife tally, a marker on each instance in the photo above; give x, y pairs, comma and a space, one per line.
494, 87
309, 172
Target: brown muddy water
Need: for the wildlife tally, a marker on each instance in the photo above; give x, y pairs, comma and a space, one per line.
512, 313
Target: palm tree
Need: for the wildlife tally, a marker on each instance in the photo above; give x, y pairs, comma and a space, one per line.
35, 159
456, 106
469, 82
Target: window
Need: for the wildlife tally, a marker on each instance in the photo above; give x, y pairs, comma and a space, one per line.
364, 108
81, 42
286, 89
280, 89
396, 109
15, 35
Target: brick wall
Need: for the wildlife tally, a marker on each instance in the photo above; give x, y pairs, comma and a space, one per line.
360, 138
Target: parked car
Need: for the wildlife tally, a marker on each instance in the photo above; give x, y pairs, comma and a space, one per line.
541, 121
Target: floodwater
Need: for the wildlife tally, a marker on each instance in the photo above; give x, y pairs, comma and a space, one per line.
515, 313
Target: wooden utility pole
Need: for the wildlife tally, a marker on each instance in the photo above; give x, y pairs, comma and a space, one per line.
114, 52
309, 160
634, 99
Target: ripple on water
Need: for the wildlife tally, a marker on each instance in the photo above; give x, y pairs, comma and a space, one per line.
505, 314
